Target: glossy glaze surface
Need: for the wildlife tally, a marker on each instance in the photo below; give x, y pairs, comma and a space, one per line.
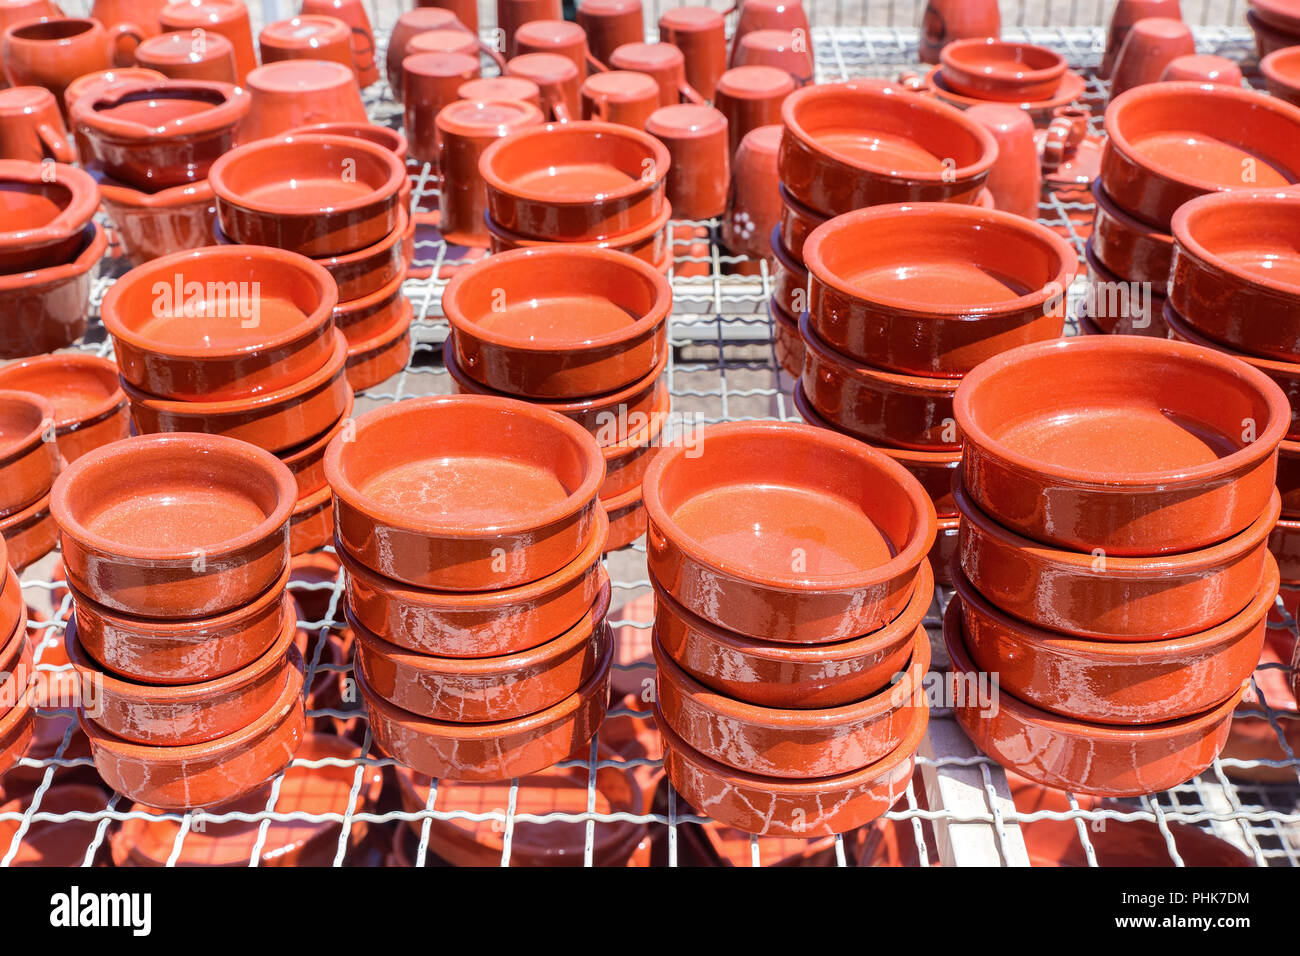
296, 93
1151, 45
89, 405
150, 225
29, 457
700, 33
697, 142
53, 300
994, 69
44, 211
178, 57
53, 51
750, 97
1128, 247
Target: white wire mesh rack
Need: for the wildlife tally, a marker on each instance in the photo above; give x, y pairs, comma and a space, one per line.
959, 809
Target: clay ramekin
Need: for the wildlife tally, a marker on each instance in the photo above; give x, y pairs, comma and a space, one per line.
490, 751
770, 806
90, 408
863, 143
150, 225
785, 532
478, 624
221, 323
627, 518
1236, 271
789, 277
1112, 682
649, 243
465, 492
391, 139
30, 533
312, 522
875, 405
209, 773
29, 458
627, 460
364, 317
935, 288
1171, 142
1066, 754
307, 461
991, 69
1105, 597
1127, 444
53, 301
1128, 247
379, 357
315, 194
575, 181
16, 727
275, 420
787, 344
44, 215
174, 525
1283, 544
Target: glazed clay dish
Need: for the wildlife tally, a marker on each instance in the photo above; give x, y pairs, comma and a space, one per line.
1129, 247
785, 532
514, 497
44, 212
54, 300
993, 69
29, 458
1127, 444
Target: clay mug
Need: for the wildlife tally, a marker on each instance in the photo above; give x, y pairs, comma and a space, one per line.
1123, 16
226, 17
1151, 45
31, 126
429, 82
185, 56
1202, 68
408, 25
782, 49
55, 51
556, 77
754, 201
610, 24
128, 22
696, 138
560, 37
750, 97
1016, 179
15, 11
512, 14
308, 37
353, 13
620, 96
501, 89
665, 63
700, 33
786, 15
466, 11
295, 93
948, 20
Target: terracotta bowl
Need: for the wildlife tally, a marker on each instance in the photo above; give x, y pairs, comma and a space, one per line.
1288, 477
787, 344
785, 532
490, 751
29, 458
53, 300
936, 288
1112, 682
391, 139
210, 773
377, 358
44, 212
1129, 247
649, 243
215, 535
574, 181
544, 471
293, 93
993, 69
627, 518
1084, 757
1281, 70
306, 462
1104, 597
1118, 306
315, 194
1171, 142
849, 145
1131, 445
149, 225
30, 534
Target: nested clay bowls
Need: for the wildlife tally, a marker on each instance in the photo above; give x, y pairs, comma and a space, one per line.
29, 458
465, 493
574, 181
90, 408
174, 525
1128, 247
993, 69
1126, 444
1281, 70
558, 321
849, 145
44, 212
52, 301
935, 288
784, 532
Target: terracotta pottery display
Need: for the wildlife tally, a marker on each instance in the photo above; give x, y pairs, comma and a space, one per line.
649, 243
556, 77
90, 408
1151, 45
29, 459
947, 20
1123, 16
44, 309
992, 69
560, 37
178, 56
229, 18
700, 33
500, 89
44, 212
1281, 71
1118, 306
665, 63
696, 139
786, 16
512, 14
153, 224
296, 93
53, 51
750, 97
1015, 182
353, 13
1129, 247
409, 24
49, 843
620, 96
31, 126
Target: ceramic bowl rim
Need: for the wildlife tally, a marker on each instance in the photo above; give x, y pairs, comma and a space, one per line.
217, 118
894, 381
1179, 325
1288, 55
86, 259
23, 445
81, 362
1189, 215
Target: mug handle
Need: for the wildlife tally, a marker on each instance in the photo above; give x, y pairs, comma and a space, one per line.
561, 109
688, 93
118, 32
57, 143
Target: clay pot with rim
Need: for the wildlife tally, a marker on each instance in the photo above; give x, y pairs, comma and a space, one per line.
307, 37
1117, 306
1152, 44
1128, 247
408, 24
663, 61
208, 497
90, 408
30, 534
1046, 457
44, 211
1281, 70
29, 458
1203, 68
751, 97
46, 308
991, 69
229, 18
1123, 16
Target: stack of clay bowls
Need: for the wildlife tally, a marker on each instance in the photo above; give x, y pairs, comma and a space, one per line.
29, 463
471, 535
1112, 575
790, 575
16, 714
904, 300
176, 551
1148, 171
989, 70
153, 143
49, 246
238, 341
342, 201
593, 350
598, 184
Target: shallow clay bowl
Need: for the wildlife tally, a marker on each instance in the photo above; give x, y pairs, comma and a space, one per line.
862, 143
1112, 682
1128, 247
466, 492
1127, 444
490, 751
993, 69
221, 322
29, 458
649, 243
1283, 543
1236, 271
574, 181
174, 525
316, 194
44, 211
1106, 597
936, 288
1281, 70
54, 300
30, 534
785, 532
1171, 142
1089, 758
558, 321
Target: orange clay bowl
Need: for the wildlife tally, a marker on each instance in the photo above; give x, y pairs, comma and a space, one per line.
29, 458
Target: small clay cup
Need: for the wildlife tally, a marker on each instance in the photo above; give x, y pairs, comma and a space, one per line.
229, 18
780, 49
408, 25
53, 51
610, 24
1203, 68
1016, 179
750, 97
556, 77
1281, 70
32, 128
754, 201
784, 16
993, 69
182, 56
665, 63
500, 89
430, 82
1151, 45
512, 14
295, 93
307, 38
1123, 16
620, 96
90, 408
353, 13
558, 37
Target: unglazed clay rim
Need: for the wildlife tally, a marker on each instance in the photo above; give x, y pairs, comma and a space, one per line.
1269, 67
86, 260
908, 556
959, 216
219, 116
572, 505
23, 445
71, 220
249, 456
1187, 217
894, 381
1186, 332
913, 456
102, 368
1025, 78
1116, 348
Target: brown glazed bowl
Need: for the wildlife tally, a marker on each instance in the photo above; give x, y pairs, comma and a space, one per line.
90, 407
993, 69
1236, 271
412, 495
575, 180
1115, 682
315, 194
1127, 444
863, 143
1283, 543
150, 225
1288, 477
490, 751
935, 288
1171, 142
29, 458
174, 525
179, 332
1128, 247
53, 300
1100, 759
44, 212
785, 532
209, 773
1107, 598
558, 322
